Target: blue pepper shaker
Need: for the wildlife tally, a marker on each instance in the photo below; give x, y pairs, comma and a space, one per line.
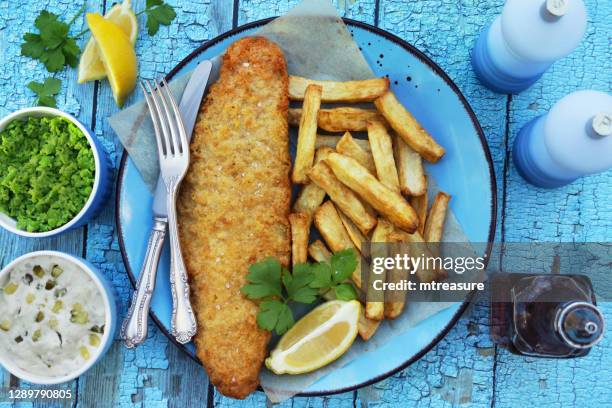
525, 40
572, 140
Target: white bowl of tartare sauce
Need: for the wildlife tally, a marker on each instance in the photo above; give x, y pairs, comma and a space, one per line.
57, 317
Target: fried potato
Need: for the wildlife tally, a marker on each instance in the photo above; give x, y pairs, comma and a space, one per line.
309, 199
367, 327
419, 245
339, 119
353, 231
408, 128
332, 230
365, 90
395, 300
342, 196
387, 202
307, 135
375, 309
347, 119
319, 252
300, 227
332, 141
382, 152
322, 153
383, 231
419, 203
409, 169
434, 226
330, 226
349, 146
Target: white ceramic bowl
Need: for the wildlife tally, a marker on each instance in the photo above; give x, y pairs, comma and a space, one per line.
110, 313
102, 178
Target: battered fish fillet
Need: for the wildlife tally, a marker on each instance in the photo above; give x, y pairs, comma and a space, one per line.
234, 207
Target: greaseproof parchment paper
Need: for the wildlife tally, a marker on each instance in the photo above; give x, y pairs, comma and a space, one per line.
317, 45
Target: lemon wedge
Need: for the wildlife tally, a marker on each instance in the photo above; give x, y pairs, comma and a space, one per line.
317, 339
117, 54
91, 67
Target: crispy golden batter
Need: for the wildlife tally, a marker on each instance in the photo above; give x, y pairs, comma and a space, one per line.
234, 207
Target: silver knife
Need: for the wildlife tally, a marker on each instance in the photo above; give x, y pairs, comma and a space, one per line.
134, 327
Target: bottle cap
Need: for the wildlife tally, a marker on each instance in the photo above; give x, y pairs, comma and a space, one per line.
580, 324
534, 30
570, 136
557, 8
602, 123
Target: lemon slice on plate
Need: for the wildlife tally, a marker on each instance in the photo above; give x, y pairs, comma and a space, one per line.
117, 54
317, 339
91, 67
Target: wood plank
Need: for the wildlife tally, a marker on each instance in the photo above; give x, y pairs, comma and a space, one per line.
258, 399
15, 19
253, 10
156, 373
578, 212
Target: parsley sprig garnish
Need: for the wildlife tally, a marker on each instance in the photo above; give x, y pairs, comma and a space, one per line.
46, 91
158, 13
52, 45
56, 48
277, 287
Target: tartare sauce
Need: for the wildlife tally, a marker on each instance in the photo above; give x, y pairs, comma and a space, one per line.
51, 316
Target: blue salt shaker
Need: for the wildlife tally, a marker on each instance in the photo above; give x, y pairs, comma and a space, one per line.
525, 40
572, 140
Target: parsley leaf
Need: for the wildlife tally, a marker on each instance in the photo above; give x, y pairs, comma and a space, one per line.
71, 52
52, 31
158, 13
345, 291
33, 46
54, 60
46, 91
44, 19
52, 46
274, 315
264, 278
343, 264
322, 275
298, 284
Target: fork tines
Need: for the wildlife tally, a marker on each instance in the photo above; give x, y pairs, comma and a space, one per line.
167, 120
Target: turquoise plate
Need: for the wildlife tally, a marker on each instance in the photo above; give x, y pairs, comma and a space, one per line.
466, 172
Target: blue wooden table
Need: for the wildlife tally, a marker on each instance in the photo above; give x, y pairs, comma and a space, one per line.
465, 368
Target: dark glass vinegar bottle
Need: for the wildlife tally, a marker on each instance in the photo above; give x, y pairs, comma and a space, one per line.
545, 315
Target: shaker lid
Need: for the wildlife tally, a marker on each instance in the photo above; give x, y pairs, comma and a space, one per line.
557, 7
572, 132
602, 123
580, 324
543, 30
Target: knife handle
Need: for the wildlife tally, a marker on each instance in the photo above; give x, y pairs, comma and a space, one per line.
134, 327
184, 324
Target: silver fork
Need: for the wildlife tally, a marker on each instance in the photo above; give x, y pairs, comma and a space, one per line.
173, 150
